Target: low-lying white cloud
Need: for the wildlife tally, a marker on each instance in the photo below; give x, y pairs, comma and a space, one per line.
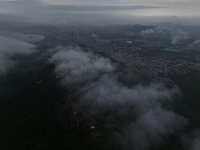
79, 66
107, 92
195, 145
137, 109
147, 31
10, 47
195, 44
150, 127
178, 35
191, 141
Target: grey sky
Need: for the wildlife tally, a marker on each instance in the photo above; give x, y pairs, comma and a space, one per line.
174, 7
112, 11
120, 2
110, 2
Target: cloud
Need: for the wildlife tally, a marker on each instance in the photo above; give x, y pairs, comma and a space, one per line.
179, 36
119, 2
147, 32
10, 47
195, 145
191, 141
78, 65
156, 30
195, 44
94, 36
137, 110
176, 33
95, 12
26, 1
107, 93
150, 127
99, 7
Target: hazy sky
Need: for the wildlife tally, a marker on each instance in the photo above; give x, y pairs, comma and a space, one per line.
121, 2
173, 7
113, 2
49, 11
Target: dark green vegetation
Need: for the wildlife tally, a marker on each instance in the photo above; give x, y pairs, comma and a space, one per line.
190, 103
27, 112
187, 106
36, 114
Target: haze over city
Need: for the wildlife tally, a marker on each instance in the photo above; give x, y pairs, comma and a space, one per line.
117, 11
88, 74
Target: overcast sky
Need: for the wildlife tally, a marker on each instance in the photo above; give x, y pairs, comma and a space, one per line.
114, 2
121, 2
127, 8
175, 7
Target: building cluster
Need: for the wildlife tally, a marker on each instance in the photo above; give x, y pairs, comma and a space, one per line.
126, 51
157, 68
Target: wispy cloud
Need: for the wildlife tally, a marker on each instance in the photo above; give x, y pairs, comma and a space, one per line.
10, 47
138, 109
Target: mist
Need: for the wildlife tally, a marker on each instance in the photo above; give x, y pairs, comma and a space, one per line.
96, 86
9, 48
97, 91
40, 12
191, 140
176, 34
79, 66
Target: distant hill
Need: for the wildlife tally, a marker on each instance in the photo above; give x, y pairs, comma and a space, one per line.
128, 28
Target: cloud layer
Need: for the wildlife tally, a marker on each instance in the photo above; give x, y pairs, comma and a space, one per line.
138, 110
78, 66
10, 47
176, 34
